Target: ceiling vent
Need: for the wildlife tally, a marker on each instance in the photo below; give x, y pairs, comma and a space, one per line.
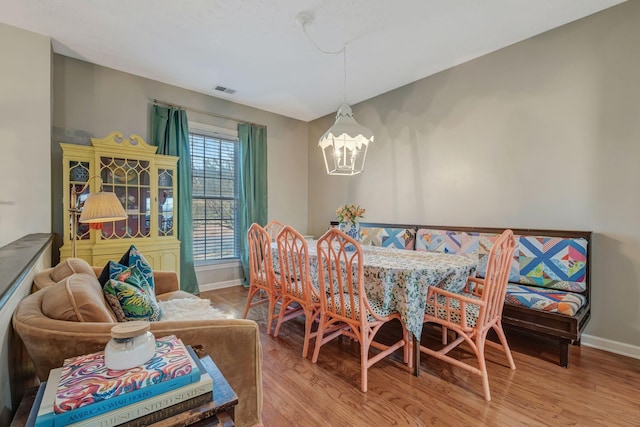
225, 90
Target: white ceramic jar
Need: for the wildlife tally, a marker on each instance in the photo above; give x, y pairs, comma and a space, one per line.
131, 345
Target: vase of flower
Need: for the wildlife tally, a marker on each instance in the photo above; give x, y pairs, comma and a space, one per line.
351, 229
348, 222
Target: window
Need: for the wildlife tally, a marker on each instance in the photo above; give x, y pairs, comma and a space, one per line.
214, 166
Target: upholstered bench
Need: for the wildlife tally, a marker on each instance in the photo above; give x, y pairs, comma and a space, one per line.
548, 292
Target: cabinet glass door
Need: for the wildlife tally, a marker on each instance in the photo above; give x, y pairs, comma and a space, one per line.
165, 202
130, 179
78, 177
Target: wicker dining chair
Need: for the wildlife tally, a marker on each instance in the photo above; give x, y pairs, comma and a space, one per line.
345, 308
263, 282
473, 312
299, 297
274, 227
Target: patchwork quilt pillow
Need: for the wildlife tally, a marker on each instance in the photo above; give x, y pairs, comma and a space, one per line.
131, 297
390, 237
485, 243
552, 262
549, 262
447, 241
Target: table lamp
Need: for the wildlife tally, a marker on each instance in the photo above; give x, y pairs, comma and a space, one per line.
99, 207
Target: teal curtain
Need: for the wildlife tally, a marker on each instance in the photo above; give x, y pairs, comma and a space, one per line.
253, 185
170, 133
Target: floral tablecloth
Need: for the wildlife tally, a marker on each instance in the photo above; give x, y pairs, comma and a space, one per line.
399, 279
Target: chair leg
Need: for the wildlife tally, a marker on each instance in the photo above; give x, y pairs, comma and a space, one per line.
505, 347
272, 307
309, 318
283, 307
252, 293
482, 364
364, 362
319, 338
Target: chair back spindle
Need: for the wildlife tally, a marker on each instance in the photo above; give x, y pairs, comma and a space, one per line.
497, 278
263, 281
295, 282
341, 276
274, 227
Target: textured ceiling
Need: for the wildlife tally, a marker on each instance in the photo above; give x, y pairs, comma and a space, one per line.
258, 48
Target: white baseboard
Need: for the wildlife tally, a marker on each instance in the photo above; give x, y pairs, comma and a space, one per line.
220, 285
611, 346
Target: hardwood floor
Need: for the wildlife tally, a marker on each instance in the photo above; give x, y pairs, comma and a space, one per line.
598, 388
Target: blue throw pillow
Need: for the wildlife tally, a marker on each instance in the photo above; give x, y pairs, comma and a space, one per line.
134, 257
130, 258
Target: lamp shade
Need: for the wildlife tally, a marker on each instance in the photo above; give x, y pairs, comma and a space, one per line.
344, 145
102, 207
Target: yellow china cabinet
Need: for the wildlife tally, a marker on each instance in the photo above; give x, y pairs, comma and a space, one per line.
146, 185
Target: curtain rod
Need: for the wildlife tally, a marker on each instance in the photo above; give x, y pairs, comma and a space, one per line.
195, 110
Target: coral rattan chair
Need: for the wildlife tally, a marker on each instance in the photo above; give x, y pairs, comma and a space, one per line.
345, 308
473, 312
296, 283
263, 281
274, 227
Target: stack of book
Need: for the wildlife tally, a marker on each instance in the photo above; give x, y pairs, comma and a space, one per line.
83, 392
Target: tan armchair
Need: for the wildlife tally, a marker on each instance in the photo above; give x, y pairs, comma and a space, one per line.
233, 345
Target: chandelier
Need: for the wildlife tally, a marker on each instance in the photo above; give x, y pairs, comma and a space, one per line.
344, 145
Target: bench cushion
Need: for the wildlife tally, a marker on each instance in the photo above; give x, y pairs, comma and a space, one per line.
399, 238
471, 244
550, 300
457, 242
553, 262
549, 262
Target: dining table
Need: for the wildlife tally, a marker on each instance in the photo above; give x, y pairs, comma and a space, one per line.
399, 279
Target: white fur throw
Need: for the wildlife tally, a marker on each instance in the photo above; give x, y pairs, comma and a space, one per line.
190, 309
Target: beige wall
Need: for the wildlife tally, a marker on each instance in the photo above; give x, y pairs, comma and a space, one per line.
542, 134
25, 129
92, 101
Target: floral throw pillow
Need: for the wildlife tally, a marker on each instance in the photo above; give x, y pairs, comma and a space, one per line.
130, 296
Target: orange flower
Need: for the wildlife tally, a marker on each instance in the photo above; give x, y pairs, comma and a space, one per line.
349, 213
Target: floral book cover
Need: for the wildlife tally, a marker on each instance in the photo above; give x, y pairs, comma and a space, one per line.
86, 380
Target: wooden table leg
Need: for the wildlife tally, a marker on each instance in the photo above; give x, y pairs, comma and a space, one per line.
416, 355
